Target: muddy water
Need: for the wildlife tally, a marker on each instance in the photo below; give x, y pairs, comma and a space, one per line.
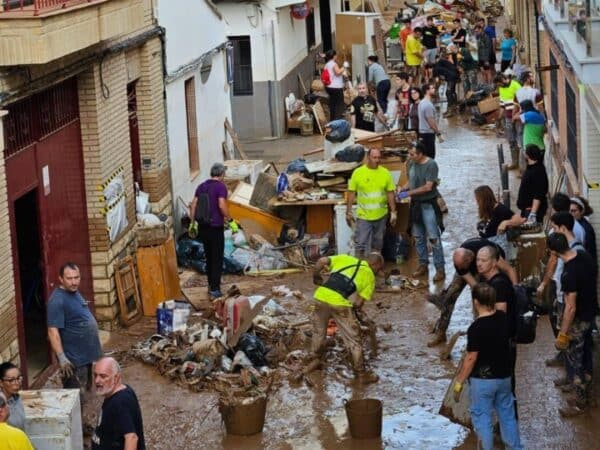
413, 379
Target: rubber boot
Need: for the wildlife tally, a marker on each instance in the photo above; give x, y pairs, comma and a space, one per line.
514, 156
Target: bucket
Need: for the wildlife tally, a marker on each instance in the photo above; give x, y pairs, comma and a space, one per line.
364, 418
244, 419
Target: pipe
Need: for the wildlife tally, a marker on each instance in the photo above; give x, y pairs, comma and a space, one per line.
536, 14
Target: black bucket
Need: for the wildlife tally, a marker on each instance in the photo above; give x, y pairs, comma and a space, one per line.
365, 418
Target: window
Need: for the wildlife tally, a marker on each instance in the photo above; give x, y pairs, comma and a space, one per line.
554, 90
311, 39
242, 65
192, 126
571, 126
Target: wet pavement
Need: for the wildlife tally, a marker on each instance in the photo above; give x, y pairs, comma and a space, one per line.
413, 379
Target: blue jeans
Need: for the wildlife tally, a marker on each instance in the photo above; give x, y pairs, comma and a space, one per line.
487, 396
428, 229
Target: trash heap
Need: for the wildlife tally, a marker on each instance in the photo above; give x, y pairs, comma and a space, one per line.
237, 351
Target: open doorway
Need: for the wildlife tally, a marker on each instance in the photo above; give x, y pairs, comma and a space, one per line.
31, 279
325, 19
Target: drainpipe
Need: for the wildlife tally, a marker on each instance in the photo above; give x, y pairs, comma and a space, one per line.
273, 84
537, 46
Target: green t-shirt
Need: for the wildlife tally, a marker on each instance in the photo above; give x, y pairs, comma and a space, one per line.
420, 174
364, 280
371, 187
533, 129
394, 31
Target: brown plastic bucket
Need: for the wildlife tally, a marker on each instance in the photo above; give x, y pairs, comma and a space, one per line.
244, 420
365, 418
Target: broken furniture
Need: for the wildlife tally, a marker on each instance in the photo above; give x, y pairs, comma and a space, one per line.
127, 291
319, 213
159, 281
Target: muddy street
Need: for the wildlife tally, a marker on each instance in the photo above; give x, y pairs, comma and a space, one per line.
413, 379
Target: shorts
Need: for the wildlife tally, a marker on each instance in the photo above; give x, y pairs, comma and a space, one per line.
429, 55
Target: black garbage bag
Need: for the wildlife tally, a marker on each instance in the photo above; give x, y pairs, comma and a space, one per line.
190, 254
340, 130
254, 349
351, 153
394, 246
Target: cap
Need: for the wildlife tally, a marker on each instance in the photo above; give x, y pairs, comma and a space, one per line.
508, 72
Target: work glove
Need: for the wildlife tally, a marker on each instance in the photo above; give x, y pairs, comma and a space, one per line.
193, 229
402, 195
532, 218
393, 218
233, 226
67, 369
350, 219
317, 279
562, 341
457, 389
346, 65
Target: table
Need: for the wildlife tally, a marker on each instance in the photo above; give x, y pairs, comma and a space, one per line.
319, 213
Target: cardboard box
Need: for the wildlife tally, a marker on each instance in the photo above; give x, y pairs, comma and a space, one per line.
488, 105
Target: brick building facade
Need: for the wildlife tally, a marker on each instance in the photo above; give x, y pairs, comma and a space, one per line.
116, 130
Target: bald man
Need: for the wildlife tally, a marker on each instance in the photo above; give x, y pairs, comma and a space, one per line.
465, 264
120, 424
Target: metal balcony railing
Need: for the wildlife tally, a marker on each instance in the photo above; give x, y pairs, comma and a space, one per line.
584, 19
37, 7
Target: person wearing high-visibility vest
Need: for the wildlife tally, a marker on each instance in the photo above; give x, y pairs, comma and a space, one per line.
373, 188
351, 282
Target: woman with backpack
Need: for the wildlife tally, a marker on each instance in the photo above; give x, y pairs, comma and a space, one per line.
333, 79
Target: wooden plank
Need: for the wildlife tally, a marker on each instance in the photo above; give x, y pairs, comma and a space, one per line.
320, 117
302, 86
379, 43
234, 139
242, 193
326, 182
264, 189
159, 281
199, 297
331, 166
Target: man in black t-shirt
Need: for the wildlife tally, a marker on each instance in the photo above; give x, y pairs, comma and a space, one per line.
364, 110
465, 265
487, 266
430, 42
120, 423
578, 282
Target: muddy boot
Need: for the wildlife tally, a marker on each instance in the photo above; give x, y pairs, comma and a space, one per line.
557, 361
576, 409
422, 271
438, 338
440, 275
439, 300
367, 377
514, 156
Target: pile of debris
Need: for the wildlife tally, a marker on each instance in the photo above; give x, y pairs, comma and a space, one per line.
240, 350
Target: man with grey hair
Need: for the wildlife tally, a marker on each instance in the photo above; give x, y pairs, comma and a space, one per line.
120, 422
209, 212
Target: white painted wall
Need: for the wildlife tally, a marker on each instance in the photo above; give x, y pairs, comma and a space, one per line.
193, 29
260, 21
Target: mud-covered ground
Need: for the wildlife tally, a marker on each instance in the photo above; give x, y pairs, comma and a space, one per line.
413, 379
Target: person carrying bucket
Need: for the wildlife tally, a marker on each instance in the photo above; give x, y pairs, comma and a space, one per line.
351, 282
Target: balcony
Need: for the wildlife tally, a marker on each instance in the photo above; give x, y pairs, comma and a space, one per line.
40, 31
575, 26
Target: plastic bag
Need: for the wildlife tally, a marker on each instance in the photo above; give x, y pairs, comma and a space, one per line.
340, 130
253, 348
297, 165
352, 153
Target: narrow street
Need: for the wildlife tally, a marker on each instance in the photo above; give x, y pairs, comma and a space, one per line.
413, 379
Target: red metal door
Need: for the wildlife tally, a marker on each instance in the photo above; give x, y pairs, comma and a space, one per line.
63, 210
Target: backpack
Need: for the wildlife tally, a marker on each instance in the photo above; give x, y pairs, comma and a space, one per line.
325, 77
202, 215
525, 317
